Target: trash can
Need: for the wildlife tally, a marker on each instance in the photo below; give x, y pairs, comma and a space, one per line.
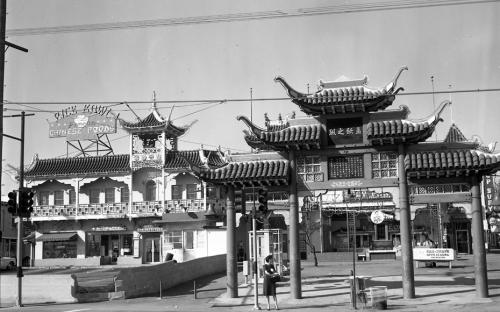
169, 256
358, 290
378, 297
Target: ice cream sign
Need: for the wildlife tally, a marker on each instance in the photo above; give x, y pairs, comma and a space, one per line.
84, 124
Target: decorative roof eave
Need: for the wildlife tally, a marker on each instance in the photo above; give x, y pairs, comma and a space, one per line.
451, 163
251, 173
146, 127
341, 100
292, 137
404, 131
95, 166
255, 143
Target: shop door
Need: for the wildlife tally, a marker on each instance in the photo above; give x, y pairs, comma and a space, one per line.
462, 241
152, 250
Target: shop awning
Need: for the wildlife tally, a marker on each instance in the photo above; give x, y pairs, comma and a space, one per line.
52, 237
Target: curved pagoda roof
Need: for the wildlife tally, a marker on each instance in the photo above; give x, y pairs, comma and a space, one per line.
283, 137
117, 164
154, 123
344, 97
247, 173
451, 163
201, 158
78, 166
402, 130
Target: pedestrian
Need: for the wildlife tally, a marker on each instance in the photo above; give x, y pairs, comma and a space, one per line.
270, 279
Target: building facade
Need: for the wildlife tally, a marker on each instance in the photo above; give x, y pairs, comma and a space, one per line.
126, 209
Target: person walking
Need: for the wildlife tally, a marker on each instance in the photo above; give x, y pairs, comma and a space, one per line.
270, 279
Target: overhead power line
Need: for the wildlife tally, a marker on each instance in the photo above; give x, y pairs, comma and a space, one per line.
178, 103
235, 17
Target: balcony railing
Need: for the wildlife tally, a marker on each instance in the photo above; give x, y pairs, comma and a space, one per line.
119, 210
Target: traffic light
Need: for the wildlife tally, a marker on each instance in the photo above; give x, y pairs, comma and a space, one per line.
239, 201
263, 200
12, 203
26, 202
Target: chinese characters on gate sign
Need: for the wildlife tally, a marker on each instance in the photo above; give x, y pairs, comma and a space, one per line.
345, 131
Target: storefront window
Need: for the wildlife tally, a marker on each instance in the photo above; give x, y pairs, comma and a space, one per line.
173, 239
176, 192
93, 243
9, 247
58, 198
309, 169
59, 249
127, 245
211, 192
191, 191
384, 165
109, 195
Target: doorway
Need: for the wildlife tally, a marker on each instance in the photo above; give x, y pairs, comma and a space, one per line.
152, 250
462, 241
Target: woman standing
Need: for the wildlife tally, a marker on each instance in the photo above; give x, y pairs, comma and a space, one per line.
269, 282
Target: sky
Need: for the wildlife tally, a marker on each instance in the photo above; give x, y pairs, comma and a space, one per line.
459, 45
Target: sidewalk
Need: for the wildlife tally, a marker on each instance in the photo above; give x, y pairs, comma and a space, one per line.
326, 287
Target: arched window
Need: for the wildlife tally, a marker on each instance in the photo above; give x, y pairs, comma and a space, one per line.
150, 191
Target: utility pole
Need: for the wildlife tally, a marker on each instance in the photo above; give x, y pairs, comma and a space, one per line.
19, 250
4, 45
3, 14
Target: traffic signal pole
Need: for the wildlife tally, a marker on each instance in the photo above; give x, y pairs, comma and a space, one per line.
19, 215
19, 252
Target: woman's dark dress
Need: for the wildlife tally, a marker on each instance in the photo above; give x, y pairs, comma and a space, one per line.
269, 288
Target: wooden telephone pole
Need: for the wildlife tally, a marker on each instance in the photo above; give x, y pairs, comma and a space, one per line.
4, 46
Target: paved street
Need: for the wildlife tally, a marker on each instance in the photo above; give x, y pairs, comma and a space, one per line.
324, 288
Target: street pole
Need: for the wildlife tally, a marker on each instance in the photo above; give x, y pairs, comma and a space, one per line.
354, 259
19, 253
254, 247
3, 14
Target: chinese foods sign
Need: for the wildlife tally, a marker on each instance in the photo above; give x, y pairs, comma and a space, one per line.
82, 124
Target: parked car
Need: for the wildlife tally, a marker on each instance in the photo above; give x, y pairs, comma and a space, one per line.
7, 263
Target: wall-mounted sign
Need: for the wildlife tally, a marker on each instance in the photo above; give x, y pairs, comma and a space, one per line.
108, 228
149, 228
366, 195
377, 217
148, 157
345, 131
491, 186
84, 124
346, 167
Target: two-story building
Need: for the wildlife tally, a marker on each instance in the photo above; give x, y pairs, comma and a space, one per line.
130, 208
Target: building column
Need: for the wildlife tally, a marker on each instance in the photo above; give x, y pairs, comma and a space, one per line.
231, 265
405, 228
478, 248
293, 235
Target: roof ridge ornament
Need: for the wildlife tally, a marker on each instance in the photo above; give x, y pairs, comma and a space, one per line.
253, 128
436, 117
343, 83
389, 88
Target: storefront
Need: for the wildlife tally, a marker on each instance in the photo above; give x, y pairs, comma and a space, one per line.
59, 245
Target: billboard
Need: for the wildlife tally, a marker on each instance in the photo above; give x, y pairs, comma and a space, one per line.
84, 124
